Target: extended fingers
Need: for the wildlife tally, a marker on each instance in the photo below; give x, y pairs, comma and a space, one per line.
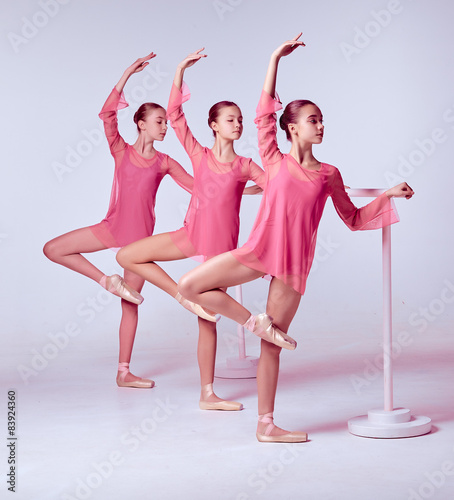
146, 58
197, 55
294, 42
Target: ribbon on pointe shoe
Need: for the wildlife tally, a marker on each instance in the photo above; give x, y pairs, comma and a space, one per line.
141, 383
207, 391
289, 437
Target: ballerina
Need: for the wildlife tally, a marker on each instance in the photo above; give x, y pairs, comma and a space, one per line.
139, 169
211, 225
282, 241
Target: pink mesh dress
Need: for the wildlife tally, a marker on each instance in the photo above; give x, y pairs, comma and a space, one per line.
131, 213
211, 225
282, 240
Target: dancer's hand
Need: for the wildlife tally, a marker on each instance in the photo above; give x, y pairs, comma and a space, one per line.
136, 67
402, 190
140, 64
191, 59
288, 47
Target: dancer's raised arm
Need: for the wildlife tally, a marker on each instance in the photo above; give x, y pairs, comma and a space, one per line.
283, 50
175, 109
268, 105
114, 102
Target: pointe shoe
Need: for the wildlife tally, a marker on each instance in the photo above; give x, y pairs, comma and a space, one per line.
290, 437
196, 308
207, 391
142, 383
117, 285
262, 326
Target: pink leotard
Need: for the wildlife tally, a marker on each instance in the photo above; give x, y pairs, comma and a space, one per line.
211, 225
131, 214
283, 238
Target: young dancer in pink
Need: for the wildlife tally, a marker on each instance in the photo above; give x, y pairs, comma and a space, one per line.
212, 222
282, 241
139, 170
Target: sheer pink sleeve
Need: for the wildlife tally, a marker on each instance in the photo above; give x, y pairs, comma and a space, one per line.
266, 125
179, 175
178, 120
375, 215
108, 115
256, 174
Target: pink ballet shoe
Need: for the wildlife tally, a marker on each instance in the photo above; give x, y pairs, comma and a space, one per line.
196, 308
142, 383
289, 437
207, 391
262, 326
116, 284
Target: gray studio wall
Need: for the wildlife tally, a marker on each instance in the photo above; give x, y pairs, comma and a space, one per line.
381, 72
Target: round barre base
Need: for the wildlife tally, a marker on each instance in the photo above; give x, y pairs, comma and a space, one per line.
238, 368
398, 423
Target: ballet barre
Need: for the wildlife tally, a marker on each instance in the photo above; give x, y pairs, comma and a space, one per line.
389, 422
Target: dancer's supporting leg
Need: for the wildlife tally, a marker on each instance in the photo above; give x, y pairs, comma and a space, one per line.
282, 305
128, 328
139, 257
66, 250
206, 357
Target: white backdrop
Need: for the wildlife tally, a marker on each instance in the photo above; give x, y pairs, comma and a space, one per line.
381, 71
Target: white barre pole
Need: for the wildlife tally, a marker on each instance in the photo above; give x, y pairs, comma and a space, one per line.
390, 422
387, 301
387, 320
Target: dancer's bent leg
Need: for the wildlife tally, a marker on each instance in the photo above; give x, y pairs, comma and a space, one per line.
66, 250
139, 257
203, 284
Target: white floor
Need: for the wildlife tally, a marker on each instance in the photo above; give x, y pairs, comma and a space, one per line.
81, 437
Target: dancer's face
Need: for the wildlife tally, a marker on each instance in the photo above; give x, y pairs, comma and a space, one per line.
154, 125
309, 126
229, 123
